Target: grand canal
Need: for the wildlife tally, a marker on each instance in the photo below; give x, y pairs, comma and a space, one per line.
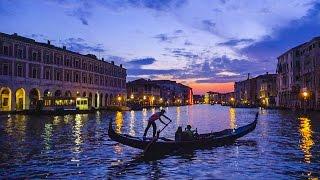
284, 145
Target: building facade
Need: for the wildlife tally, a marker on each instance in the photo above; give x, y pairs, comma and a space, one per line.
31, 71
159, 92
143, 92
258, 91
298, 71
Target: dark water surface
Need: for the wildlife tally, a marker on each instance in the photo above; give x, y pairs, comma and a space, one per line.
283, 146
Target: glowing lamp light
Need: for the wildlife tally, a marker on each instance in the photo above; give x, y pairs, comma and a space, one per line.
119, 98
232, 99
131, 96
305, 94
144, 97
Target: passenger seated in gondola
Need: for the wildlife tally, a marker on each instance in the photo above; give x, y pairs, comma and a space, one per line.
178, 135
188, 134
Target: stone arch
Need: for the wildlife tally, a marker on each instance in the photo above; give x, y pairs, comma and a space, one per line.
46, 93
5, 99
101, 100
106, 102
68, 94
57, 93
111, 99
84, 94
90, 99
20, 99
34, 96
96, 100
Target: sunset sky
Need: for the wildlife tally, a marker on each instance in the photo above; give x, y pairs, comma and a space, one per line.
207, 44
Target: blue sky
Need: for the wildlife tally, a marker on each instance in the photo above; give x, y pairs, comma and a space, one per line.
203, 43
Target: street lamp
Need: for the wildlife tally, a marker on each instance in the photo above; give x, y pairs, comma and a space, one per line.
144, 97
119, 99
132, 97
232, 100
305, 95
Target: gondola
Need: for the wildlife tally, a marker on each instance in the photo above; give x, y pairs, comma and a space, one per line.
165, 145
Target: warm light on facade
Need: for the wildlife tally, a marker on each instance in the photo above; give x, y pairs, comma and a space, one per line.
144, 97
132, 97
119, 98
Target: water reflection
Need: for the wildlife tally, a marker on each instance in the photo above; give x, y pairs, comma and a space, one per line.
131, 125
233, 123
47, 135
144, 117
178, 114
16, 126
306, 142
77, 133
49, 143
119, 121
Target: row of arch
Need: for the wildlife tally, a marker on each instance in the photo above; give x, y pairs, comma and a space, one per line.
21, 100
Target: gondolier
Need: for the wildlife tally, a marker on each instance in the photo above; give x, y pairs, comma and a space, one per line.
151, 121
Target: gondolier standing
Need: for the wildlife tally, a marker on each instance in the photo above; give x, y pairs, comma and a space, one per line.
152, 122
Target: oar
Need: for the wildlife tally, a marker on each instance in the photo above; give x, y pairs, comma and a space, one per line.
155, 138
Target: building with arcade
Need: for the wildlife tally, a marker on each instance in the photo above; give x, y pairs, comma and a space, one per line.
34, 74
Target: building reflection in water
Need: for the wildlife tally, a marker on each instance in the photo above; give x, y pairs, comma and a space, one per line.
306, 142
178, 114
77, 133
16, 126
131, 125
119, 121
47, 136
232, 113
144, 117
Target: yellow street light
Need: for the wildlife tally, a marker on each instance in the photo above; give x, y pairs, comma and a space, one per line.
305, 94
144, 97
161, 99
131, 96
232, 99
119, 98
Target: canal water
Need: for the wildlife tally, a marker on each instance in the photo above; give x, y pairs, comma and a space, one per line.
283, 146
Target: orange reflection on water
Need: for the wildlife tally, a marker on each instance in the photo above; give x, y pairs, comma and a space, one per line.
306, 142
232, 113
119, 121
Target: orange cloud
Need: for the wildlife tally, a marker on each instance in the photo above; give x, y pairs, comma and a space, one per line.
201, 88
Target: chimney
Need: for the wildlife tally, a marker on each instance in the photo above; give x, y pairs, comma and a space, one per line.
48, 42
15, 34
121, 65
267, 72
102, 59
112, 62
64, 47
248, 75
